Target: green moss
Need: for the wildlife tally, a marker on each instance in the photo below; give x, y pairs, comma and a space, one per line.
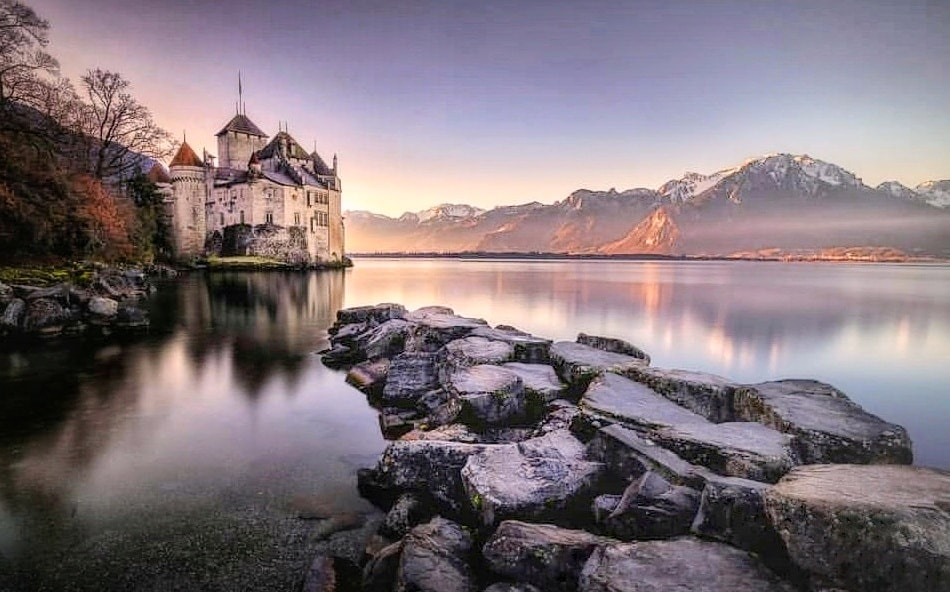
79, 274
477, 501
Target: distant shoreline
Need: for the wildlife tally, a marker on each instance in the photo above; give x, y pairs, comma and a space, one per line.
501, 256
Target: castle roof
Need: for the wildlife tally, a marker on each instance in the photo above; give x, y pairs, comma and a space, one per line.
158, 174
186, 157
294, 150
241, 124
319, 165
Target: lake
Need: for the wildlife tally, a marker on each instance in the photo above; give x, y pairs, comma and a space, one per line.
182, 458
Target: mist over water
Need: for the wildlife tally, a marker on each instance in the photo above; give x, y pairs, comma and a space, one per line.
178, 458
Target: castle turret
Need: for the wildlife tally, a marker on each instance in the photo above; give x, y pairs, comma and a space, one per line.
237, 141
189, 193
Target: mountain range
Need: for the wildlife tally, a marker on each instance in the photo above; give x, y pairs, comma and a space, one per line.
774, 205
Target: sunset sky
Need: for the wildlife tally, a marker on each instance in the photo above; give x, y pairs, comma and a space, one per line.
504, 102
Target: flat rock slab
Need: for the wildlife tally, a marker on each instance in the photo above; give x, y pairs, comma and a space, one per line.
436, 558
432, 330
577, 364
490, 395
737, 449
628, 455
527, 348
634, 404
541, 554
472, 351
829, 426
679, 564
369, 376
702, 393
536, 479
613, 344
866, 527
379, 313
541, 383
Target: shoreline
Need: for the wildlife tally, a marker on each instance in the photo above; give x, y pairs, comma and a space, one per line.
514, 256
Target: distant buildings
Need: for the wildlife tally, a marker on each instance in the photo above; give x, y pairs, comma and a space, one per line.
270, 199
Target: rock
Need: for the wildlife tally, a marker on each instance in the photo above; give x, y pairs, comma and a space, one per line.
705, 394
431, 468
410, 375
604, 505
577, 364
394, 422
455, 432
560, 416
45, 315
527, 348
380, 571
131, 317
612, 344
431, 331
541, 478
541, 384
628, 456
679, 564
508, 587
321, 577
103, 307
369, 376
436, 558
384, 341
490, 395
634, 405
829, 427
652, 508
866, 527
407, 512
471, 351
737, 449
439, 407
377, 314
732, 510
13, 315
6, 293
58, 292
541, 554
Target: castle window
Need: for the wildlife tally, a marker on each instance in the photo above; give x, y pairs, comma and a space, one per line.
269, 217
313, 225
221, 218
242, 216
296, 218
308, 199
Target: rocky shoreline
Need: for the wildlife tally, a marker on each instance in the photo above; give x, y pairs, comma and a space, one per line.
520, 464
109, 301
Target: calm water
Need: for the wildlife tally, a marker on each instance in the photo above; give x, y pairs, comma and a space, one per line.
180, 459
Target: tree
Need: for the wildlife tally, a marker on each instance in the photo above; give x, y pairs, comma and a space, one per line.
23, 61
120, 132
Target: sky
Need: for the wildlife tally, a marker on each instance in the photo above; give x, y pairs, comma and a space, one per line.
505, 102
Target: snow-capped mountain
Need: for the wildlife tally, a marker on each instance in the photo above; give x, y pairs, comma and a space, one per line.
776, 201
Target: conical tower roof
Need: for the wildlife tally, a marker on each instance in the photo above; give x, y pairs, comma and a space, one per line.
158, 174
186, 157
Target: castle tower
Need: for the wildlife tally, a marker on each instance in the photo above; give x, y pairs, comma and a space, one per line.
189, 193
237, 141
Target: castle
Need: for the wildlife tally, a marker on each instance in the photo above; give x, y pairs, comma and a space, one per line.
269, 199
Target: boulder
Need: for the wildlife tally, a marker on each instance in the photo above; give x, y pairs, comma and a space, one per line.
45, 315
577, 364
702, 393
369, 376
436, 558
13, 314
490, 395
541, 478
471, 351
866, 527
431, 468
377, 314
732, 510
652, 508
628, 456
408, 511
380, 571
385, 340
679, 564
633, 404
6, 293
431, 331
541, 554
737, 449
612, 344
395, 422
527, 348
455, 432
410, 375
828, 426
541, 384
103, 307
560, 416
